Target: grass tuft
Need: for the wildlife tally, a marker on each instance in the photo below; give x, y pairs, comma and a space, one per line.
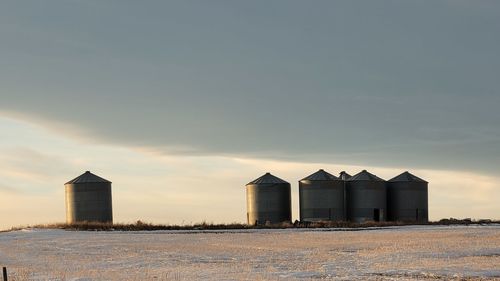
146, 226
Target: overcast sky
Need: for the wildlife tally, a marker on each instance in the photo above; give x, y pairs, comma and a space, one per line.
228, 88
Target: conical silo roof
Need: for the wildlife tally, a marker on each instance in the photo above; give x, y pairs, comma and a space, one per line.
267, 179
320, 175
406, 177
87, 177
364, 176
344, 176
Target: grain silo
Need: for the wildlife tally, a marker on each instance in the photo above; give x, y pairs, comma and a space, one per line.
366, 198
88, 198
268, 200
321, 197
407, 199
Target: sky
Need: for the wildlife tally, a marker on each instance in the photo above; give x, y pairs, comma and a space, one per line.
181, 103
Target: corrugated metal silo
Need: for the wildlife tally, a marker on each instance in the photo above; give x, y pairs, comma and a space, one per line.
88, 198
321, 197
407, 198
268, 200
366, 198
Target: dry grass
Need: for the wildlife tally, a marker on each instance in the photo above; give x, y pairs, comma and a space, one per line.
145, 226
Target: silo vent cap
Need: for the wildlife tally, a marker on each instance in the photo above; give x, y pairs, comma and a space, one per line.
344, 175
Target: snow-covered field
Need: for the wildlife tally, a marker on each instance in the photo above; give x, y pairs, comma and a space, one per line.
399, 253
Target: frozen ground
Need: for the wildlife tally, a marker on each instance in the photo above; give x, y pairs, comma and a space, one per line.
399, 253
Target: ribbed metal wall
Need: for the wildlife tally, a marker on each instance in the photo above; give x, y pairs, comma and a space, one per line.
407, 198
268, 200
366, 198
321, 197
88, 198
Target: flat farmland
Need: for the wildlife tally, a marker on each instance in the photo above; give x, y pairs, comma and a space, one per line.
392, 253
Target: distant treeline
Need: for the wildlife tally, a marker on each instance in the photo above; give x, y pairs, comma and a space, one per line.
144, 226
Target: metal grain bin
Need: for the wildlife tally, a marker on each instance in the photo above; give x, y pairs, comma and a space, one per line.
88, 199
268, 200
366, 197
407, 199
321, 197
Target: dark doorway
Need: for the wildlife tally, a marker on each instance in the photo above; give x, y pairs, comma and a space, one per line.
376, 214
416, 214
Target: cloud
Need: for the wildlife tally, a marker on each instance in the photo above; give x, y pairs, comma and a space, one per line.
25, 162
165, 188
7, 189
370, 87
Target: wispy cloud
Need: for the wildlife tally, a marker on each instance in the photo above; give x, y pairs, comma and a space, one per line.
7, 189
